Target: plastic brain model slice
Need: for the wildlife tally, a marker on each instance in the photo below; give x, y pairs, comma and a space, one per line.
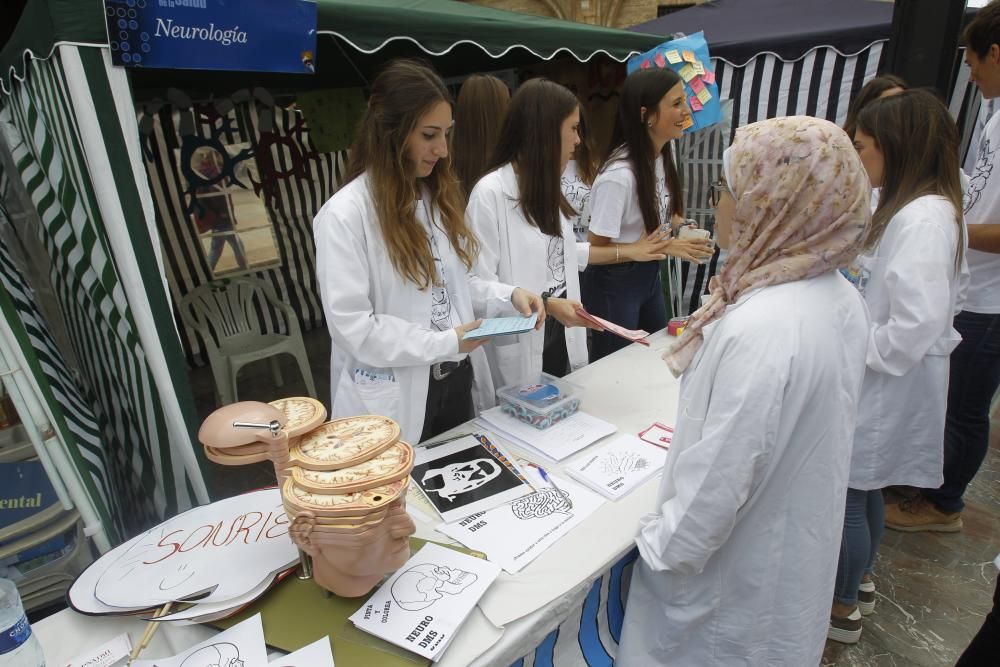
391, 465
343, 443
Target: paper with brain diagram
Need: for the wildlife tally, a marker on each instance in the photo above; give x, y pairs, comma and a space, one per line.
516, 533
425, 602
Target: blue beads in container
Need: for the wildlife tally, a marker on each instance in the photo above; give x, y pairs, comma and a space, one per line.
540, 403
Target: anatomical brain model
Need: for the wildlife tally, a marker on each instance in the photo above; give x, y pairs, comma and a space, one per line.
343, 483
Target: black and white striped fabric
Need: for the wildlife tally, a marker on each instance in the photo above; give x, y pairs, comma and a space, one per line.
298, 198
74, 413
821, 83
114, 368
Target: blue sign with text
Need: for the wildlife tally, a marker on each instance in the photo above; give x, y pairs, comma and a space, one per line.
246, 35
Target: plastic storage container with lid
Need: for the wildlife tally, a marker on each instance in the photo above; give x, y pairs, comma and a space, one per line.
540, 403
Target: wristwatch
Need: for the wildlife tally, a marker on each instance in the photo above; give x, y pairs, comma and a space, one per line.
545, 298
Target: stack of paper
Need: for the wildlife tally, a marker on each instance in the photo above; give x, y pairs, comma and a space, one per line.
515, 534
422, 606
556, 442
619, 466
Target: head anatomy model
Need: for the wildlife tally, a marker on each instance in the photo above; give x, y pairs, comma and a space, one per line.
456, 478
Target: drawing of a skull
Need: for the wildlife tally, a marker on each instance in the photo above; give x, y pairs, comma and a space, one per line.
422, 585
214, 655
457, 478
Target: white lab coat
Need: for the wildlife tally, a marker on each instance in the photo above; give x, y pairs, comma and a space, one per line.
913, 291
737, 567
380, 324
514, 251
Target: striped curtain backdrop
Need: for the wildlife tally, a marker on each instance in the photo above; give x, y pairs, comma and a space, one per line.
296, 197
74, 415
821, 83
114, 372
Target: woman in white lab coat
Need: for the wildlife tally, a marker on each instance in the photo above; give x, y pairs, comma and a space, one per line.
735, 563
911, 275
393, 263
522, 222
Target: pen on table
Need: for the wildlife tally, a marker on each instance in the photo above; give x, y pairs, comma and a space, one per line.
545, 476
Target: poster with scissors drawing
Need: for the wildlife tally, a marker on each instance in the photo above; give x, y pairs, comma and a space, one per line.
463, 477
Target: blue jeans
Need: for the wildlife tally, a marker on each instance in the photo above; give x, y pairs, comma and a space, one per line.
864, 522
630, 295
975, 374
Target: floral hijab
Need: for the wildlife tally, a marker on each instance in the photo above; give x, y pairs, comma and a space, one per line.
802, 209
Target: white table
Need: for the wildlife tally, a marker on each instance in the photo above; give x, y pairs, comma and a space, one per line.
631, 389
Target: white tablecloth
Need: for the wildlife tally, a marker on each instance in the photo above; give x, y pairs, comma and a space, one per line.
631, 389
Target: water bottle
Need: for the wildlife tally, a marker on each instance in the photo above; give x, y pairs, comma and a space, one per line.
19, 647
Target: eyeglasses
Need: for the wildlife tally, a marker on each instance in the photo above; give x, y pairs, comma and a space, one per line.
715, 190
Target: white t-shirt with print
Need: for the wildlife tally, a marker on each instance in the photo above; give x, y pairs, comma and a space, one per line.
577, 193
443, 316
614, 202
982, 206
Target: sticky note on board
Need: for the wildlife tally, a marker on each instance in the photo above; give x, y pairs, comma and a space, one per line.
688, 122
696, 85
645, 64
695, 104
698, 67
687, 73
660, 61
689, 56
708, 77
704, 95
673, 57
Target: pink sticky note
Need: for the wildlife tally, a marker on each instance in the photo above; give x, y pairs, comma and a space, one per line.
645, 64
708, 76
696, 85
660, 61
695, 104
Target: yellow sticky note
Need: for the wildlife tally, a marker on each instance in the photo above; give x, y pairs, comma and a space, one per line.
698, 67
673, 57
704, 96
687, 73
689, 56
688, 122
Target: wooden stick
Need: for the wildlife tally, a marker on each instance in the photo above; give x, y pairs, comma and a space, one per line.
151, 629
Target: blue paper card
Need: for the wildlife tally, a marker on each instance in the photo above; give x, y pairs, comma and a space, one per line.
502, 326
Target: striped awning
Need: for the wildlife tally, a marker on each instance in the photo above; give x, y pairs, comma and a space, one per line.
459, 37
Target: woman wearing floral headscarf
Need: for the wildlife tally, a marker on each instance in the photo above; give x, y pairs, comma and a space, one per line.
737, 563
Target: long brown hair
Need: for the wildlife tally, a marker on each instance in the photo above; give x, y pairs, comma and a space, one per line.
586, 153
531, 138
645, 88
870, 92
401, 95
479, 113
919, 143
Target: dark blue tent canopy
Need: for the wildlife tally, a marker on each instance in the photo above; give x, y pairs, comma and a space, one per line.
737, 30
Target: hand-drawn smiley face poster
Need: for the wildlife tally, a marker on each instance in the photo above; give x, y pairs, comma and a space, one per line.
463, 477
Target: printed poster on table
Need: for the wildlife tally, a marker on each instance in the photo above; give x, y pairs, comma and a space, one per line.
514, 534
244, 35
463, 477
425, 602
619, 466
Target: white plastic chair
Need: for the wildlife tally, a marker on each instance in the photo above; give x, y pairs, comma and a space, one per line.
222, 311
